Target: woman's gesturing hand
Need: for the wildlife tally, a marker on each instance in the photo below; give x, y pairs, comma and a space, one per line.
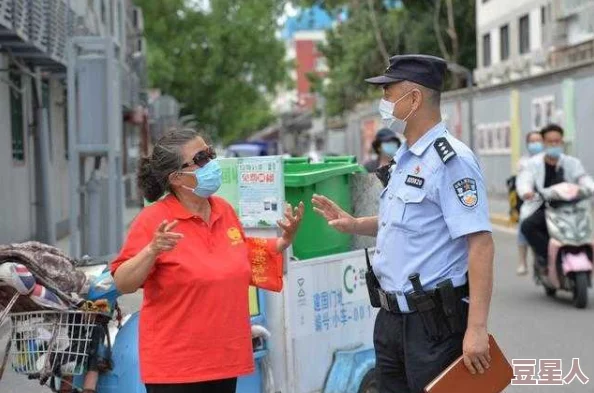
164, 239
290, 225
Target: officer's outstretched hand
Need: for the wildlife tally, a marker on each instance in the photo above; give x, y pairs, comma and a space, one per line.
336, 217
476, 350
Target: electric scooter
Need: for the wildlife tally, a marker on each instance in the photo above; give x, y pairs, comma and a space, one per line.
72, 351
568, 213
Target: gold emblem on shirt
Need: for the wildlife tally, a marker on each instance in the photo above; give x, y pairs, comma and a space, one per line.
235, 236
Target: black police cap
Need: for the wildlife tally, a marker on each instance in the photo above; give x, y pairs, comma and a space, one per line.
385, 134
425, 70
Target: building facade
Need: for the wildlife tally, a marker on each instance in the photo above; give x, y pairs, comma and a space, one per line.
308, 61
522, 38
34, 40
302, 34
535, 67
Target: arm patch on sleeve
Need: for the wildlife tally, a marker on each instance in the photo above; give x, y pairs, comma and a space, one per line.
444, 149
466, 192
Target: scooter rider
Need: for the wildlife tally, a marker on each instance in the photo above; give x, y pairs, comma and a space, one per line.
541, 172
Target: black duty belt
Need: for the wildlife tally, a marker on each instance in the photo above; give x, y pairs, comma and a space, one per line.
389, 300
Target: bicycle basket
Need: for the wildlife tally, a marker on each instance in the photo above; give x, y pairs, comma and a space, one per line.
51, 342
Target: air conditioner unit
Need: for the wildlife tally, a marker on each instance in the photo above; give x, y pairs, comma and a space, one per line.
483, 76
539, 58
562, 11
488, 73
498, 70
519, 64
138, 19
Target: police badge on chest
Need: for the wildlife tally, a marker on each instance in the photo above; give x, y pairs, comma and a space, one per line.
414, 181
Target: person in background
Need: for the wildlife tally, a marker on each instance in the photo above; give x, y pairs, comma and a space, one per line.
541, 172
534, 145
189, 252
385, 145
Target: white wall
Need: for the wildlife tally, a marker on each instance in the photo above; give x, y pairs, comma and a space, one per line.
496, 12
578, 30
16, 186
535, 29
495, 42
18, 181
310, 35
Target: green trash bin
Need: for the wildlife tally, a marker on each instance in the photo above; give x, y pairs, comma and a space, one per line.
296, 160
315, 237
341, 159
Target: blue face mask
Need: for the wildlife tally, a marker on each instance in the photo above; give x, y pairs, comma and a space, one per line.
535, 148
209, 179
554, 151
389, 148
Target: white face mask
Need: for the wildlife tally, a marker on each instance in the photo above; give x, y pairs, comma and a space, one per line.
387, 109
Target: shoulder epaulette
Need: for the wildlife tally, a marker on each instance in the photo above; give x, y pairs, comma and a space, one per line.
444, 149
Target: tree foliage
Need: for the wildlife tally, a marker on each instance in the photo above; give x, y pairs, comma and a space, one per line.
221, 63
355, 48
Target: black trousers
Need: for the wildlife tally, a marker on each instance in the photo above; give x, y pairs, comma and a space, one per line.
406, 359
536, 233
220, 386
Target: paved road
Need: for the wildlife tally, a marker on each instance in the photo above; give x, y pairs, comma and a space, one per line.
529, 325
526, 323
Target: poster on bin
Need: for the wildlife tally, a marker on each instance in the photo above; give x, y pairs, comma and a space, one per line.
254, 186
229, 190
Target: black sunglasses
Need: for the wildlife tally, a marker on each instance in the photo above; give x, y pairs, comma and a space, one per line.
202, 158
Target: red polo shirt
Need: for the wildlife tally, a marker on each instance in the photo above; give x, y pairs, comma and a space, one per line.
194, 320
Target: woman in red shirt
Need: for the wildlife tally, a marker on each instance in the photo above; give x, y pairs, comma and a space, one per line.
190, 254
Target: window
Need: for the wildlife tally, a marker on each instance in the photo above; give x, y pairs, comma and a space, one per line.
103, 12
543, 112
17, 119
524, 34
45, 97
543, 15
504, 42
486, 50
493, 138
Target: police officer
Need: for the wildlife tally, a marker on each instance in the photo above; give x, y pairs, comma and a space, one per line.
433, 261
